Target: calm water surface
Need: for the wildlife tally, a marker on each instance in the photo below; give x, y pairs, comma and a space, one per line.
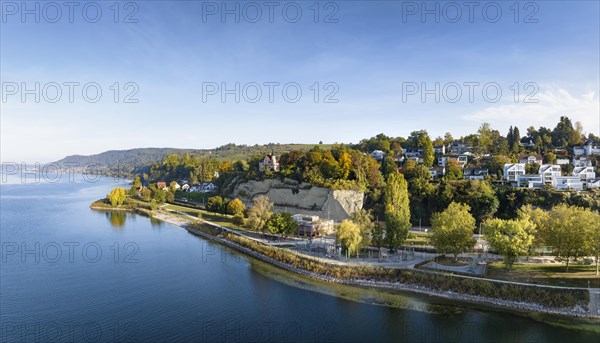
72, 274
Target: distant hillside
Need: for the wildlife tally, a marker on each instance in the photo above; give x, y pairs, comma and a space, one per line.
134, 157
140, 160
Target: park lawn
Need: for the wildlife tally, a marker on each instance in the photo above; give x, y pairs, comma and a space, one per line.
419, 238
219, 219
546, 274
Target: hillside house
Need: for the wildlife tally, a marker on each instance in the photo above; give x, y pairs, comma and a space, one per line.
437, 172
531, 159
413, 152
204, 187
532, 181
513, 170
588, 149
475, 173
460, 148
581, 161
584, 173
593, 184
548, 172
313, 225
378, 155
564, 183
268, 163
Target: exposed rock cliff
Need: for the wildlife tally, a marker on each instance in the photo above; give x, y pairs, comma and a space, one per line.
302, 197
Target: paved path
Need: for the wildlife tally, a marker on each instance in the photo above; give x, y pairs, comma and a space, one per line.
478, 269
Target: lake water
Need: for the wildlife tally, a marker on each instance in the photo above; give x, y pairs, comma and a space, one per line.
72, 274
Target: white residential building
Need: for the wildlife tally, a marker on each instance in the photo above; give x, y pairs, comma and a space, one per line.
581, 162
530, 159
437, 172
378, 155
548, 172
513, 170
589, 148
204, 187
593, 184
269, 163
475, 173
562, 161
584, 173
564, 183
530, 181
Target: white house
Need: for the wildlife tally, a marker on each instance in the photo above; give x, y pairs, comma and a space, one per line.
440, 149
398, 158
584, 173
564, 183
413, 152
437, 172
475, 173
460, 148
562, 161
581, 161
589, 148
593, 184
416, 159
378, 155
442, 161
513, 170
269, 163
530, 181
313, 225
530, 159
204, 187
548, 172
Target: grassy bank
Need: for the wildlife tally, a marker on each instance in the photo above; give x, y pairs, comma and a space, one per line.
546, 274
552, 298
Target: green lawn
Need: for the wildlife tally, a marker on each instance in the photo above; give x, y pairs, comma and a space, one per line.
219, 219
419, 238
546, 274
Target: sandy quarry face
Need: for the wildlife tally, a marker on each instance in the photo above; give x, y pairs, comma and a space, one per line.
303, 198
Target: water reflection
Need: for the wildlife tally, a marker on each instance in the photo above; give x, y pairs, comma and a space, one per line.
116, 218
156, 223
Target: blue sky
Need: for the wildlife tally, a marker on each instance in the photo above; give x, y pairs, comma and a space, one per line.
370, 54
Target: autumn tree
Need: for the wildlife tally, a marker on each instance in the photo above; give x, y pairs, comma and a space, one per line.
364, 220
282, 223
236, 207
453, 229
397, 210
259, 213
509, 238
215, 204
173, 186
567, 231
117, 196
348, 235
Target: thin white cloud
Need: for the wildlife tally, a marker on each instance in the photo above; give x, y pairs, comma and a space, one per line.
552, 103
